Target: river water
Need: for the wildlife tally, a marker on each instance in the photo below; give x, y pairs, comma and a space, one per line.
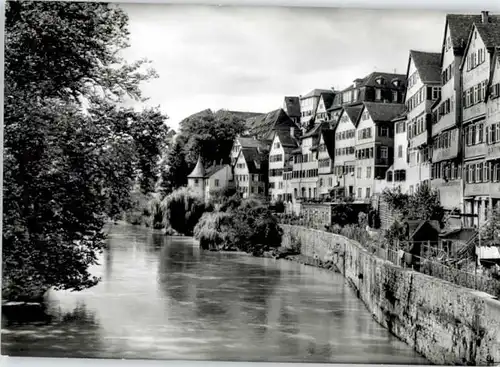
164, 298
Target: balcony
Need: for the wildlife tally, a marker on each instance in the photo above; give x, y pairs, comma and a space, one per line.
451, 150
493, 151
419, 140
472, 151
475, 189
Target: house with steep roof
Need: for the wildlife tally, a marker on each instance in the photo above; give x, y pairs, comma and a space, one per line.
423, 89
291, 105
395, 176
263, 126
280, 188
374, 87
493, 130
326, 154
204, 182
344, 158
447, 152
309, 105
250, 172
324, 104
475, 73
305, 165
248, 142
374, 142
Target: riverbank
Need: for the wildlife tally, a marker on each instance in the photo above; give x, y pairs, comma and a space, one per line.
445, 323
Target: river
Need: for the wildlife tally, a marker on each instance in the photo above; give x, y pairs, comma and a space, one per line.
164, 298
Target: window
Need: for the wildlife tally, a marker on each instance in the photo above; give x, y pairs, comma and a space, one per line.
383, 131
359, 192
394, 96
378, 94
368, 172
196, 182
358, 175
436, 93
389, 176
367, 192
400, 151
384, 153
277, 145
216, 183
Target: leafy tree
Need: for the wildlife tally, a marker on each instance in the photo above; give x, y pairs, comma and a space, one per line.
423, 204
183, 209
208, 134
71, 156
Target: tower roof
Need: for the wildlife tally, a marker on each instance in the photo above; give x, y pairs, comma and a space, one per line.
199, 170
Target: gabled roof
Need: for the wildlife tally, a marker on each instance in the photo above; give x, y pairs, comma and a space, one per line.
327, 99
286, 139
317, 93
494, 60
251, 142
459, 25
213, 169
354, 112
414, 226
263, 126
371, 79
253, 158
428, 65
489, 33
382, 112
198, 171
292, 106
329, 141
315, 131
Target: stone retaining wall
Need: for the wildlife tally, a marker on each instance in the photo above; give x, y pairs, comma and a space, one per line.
446, 323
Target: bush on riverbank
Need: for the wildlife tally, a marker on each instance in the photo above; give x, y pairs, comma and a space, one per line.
182, 209
249, 227
146, 210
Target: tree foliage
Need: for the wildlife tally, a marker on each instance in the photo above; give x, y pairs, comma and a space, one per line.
208, 134
182, 210
246, 225
422, 204
71, 155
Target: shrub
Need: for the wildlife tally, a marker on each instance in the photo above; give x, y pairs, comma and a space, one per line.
157, 214
251, 227
182, 210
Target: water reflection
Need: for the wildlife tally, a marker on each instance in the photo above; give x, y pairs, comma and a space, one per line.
161, 297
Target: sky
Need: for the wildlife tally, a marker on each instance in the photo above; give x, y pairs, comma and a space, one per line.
249, 58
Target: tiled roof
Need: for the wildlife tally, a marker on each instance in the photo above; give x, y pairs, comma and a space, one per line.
384, 111
329, 140
317, 93
286, 139
460, 26
292, 106
252, 158
315, 130
328, 99
428, 65
251, 142
198, 171
264, 125
213, 169
242, 114
490, 34
370, 80
353, 113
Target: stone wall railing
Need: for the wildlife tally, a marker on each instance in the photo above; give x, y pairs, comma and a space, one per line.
446, 323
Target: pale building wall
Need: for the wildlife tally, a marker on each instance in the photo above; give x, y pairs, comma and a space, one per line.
276, 183
365, 167
345, 125
218, 181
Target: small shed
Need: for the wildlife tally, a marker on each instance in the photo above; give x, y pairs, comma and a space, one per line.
455, 240
420, 233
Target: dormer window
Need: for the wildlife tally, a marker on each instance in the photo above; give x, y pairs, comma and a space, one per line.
396, 83
380, 80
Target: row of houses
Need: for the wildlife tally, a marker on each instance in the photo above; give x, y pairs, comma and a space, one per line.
437, 125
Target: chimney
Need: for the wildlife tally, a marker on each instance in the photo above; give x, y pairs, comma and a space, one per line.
292, 132
484, 17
